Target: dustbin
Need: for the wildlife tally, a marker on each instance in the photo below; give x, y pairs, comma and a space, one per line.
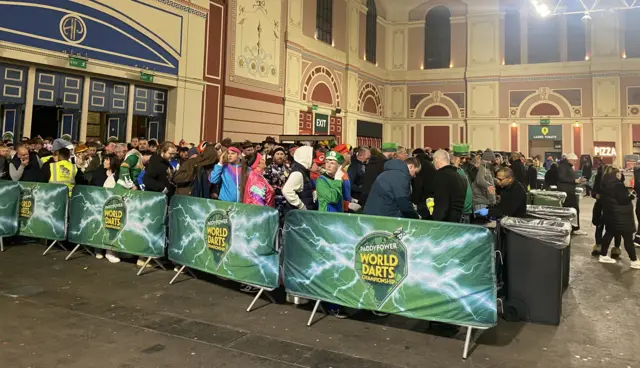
557, 213
548, 198
534, 254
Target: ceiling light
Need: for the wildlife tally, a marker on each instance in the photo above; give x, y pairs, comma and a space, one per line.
586, 17
542, 8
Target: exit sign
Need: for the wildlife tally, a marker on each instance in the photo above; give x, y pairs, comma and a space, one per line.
314, 107
77, 62
146, 77
545, 121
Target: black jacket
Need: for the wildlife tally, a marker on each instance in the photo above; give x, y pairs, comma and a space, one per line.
390, 193
513, 202
551, 177
617, 208
567, 183
375, 167
532, 177
32, 171
4, 168
356, 176
424, 182
449, 195
157, 174
519, 172
99, 176
636, 178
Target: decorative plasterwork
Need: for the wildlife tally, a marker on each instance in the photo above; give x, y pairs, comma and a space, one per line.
370, 91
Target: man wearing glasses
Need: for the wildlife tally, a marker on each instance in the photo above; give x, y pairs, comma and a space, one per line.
513, 197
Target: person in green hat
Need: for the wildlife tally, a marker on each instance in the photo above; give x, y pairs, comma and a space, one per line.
328, 185
375, 167
460, 151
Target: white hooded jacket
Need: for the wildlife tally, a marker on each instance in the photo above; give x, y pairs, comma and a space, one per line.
295, 182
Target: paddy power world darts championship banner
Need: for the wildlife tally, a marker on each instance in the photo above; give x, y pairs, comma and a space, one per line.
43, 210
9, 206
129, 221
232, 240
419, 269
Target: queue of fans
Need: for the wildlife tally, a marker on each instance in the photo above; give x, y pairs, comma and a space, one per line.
452, 185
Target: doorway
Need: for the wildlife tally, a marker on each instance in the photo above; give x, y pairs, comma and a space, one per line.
45, 121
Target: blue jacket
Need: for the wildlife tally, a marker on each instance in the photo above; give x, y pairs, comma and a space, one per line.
229, 174
390, 193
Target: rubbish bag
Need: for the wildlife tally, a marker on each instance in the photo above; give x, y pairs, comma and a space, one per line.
553, 233
548, 198
554, 213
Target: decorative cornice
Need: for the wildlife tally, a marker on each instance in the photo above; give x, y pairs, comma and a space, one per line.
187, 6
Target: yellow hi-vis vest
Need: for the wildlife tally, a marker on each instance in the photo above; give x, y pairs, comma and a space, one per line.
63, 172
45, 159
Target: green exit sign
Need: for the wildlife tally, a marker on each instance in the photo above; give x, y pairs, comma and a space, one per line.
146, 77
545, 121
314, 107
77, 62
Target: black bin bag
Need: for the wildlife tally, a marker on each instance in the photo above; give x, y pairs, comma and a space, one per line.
536, 253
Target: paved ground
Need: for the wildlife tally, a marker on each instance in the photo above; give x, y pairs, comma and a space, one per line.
88, 313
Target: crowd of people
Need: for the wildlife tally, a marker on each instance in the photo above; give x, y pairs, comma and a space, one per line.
452, 185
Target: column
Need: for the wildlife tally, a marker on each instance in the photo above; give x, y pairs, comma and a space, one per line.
84, 113
524, 44
28, 108
130, 108
563, 44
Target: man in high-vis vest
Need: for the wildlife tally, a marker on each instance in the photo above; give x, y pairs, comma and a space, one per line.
63, 171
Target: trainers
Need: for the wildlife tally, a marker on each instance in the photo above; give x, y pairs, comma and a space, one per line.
249, 289
596, 250
635, 264
579, 232
141, 261
338, 313
615, 252
379, 314
112, 257
99, 255
606, 259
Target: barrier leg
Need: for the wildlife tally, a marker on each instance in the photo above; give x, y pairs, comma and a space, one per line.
255, 299
159, 264
191, 273
313, 312
70, 254
1, 244
89, 251
144, 266
467, 341
177, 274
51, 246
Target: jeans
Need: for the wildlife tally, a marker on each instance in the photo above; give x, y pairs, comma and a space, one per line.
628, 244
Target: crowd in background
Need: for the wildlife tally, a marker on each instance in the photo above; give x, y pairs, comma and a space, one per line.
449, 184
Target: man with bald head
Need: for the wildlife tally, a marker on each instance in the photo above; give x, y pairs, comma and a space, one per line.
450, 190
513, 197
25, 165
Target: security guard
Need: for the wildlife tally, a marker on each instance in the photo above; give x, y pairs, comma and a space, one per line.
62, 170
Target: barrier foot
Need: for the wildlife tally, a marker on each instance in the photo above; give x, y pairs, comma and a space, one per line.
255, 299
70, 254
467, 342
313, 312
177, 274
51, 246
144, 266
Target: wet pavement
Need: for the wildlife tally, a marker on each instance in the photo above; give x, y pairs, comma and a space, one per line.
88, 313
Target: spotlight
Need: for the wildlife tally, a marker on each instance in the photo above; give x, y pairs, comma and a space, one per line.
586, 18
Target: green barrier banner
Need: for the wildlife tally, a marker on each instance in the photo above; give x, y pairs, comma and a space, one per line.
231, 240
129, 221
427, 270
9, 206
43, 210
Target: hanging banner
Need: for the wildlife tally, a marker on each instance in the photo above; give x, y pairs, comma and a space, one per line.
418, 269
231, 240
43, 210
9, 206
128, 221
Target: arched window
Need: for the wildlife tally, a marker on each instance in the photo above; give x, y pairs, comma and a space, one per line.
324, 20
372, 30
437, 38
